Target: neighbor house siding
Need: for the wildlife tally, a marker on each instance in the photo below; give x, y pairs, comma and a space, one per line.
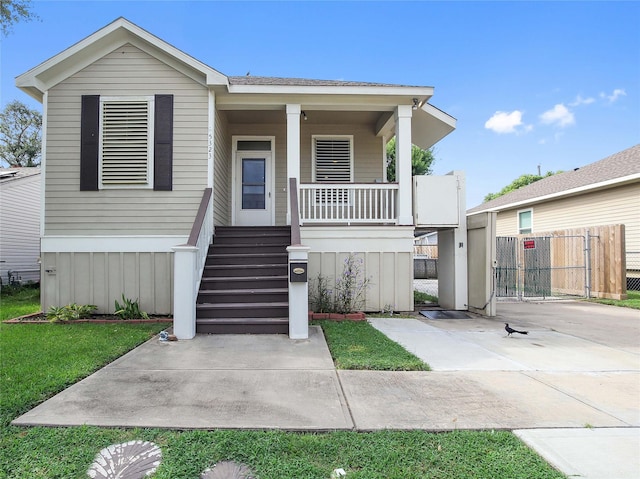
617, 205
20, 227
125, 72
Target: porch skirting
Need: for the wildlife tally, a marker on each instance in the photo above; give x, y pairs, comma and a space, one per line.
387, 260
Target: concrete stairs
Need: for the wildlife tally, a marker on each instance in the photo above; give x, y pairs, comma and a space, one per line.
244, 287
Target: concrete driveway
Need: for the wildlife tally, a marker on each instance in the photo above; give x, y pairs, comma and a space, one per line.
570, 388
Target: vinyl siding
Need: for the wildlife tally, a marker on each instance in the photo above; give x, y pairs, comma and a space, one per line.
368, 151
125, 72
611, 206
222, 172
20, 227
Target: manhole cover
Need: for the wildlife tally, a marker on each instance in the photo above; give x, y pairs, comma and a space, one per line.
130, 460
228, 470
437, 314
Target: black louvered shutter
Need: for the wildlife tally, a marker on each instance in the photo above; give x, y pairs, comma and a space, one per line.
163, 143
89, 142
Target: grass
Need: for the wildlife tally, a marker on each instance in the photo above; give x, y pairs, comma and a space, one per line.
38, 360
358, 345
14, 303
421, 298
632, 301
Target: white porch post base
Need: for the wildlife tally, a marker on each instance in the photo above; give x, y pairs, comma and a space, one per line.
298, 297
184, 292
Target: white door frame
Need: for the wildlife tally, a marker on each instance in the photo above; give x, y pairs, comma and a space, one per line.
270, 173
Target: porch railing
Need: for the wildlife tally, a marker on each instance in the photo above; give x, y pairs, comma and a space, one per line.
189, 261
348, 203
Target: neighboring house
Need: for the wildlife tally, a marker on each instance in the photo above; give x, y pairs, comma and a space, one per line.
602, 193
20, 225
138, 134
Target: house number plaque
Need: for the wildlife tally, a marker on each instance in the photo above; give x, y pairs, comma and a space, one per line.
298, 272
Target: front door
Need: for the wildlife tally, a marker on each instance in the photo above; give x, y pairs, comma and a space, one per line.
253, 198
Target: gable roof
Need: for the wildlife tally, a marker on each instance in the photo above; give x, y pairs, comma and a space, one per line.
118, 33
619, 168
428, 127
10, 174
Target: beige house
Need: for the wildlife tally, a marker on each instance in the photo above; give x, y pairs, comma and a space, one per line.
152, 158
602, 193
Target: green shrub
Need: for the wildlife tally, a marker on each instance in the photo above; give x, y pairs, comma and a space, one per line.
70, 312
129, 309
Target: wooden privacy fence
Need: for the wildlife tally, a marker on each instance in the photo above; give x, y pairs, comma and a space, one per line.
586, 262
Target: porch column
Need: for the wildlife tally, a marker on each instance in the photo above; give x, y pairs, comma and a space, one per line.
403, 164
293, 148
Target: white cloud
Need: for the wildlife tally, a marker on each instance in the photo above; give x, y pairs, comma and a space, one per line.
504, 122
582, 101
617, 93
559, 115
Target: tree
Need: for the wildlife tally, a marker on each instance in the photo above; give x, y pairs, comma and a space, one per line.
20, 129
13, 11
519, 182
421, 160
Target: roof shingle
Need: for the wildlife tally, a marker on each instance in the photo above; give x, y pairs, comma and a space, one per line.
618, 165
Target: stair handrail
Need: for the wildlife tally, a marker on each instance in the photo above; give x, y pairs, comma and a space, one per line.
295, 213
200, 217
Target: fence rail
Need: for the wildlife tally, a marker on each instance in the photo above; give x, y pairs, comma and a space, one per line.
348, 203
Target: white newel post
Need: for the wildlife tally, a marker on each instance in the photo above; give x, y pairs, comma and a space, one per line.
184, 291
403, 164
293, 148
298, 293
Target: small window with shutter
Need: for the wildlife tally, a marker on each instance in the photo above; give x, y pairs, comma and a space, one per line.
333, 163
126, 142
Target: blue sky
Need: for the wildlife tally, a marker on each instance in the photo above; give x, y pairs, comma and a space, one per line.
555, 84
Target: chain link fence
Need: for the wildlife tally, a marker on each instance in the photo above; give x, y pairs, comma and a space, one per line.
633, 270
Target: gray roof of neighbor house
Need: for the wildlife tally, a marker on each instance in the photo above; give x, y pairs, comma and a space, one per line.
9, 174
613, 169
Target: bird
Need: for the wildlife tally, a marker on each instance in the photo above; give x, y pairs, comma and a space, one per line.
510, 330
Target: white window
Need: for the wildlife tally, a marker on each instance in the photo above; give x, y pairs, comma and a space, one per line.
333, 159
525, 221
126, 142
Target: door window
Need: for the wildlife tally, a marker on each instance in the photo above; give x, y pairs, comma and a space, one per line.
253, 184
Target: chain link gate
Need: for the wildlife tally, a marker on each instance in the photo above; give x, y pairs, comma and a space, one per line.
542, 266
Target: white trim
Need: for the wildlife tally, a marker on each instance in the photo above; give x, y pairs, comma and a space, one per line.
212, 140
43, 157
560, 194
524, 210
110, 244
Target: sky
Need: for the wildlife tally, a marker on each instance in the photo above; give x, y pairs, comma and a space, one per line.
534, 86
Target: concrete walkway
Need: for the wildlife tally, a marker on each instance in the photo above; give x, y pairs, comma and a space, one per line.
570, 388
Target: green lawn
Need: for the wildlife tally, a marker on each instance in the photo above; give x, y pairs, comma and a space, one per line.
19, 303
632, 301
358, 345
38, 360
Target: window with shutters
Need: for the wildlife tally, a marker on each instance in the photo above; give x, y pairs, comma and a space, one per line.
333, 163
126, 142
